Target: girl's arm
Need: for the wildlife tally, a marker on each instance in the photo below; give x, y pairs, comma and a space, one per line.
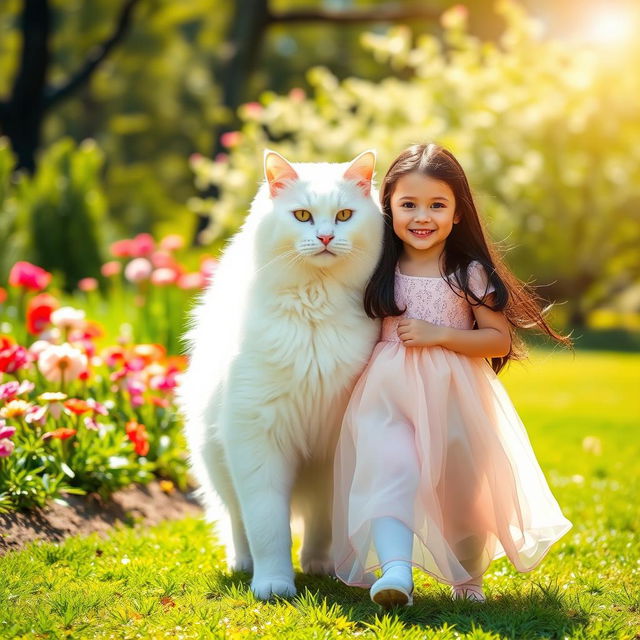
491, 339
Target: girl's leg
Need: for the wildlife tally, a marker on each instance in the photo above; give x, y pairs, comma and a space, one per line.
393, 541
471, 590
398, 468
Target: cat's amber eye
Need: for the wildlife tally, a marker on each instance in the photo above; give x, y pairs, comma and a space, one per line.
344, 214
302, 214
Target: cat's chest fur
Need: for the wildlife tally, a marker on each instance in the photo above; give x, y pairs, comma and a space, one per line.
316, 330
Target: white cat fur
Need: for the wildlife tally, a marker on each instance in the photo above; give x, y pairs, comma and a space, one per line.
276, 344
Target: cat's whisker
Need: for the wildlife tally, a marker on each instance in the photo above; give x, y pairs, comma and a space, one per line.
281, 256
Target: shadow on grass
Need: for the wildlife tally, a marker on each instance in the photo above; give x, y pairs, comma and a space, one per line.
541, 611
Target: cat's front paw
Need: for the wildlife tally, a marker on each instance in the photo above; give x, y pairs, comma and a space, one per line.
318, 566
264, 588
242, 563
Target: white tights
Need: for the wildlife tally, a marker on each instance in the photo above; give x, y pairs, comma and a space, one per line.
393, 541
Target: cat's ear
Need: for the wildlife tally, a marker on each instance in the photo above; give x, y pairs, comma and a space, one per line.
361, 170
277, 171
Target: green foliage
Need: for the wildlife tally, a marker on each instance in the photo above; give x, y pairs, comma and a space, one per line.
548, 145
67, 210
99, 459
170, 581
58, 217
14, 236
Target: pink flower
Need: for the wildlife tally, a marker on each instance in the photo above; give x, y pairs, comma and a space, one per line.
97, 407
122, 249
297, 95
9, 390
164, 383
137, 401
62, 363
91, 424
208, 267
6, 432
112, 268
38, 415
143, 245
253, 109
172, 242
164, 276
191, 281
87, 284
6, 447
29, 276
162, 258
137, 270
230, 139
135, 387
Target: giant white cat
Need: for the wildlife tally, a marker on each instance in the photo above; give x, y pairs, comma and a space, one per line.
276, 344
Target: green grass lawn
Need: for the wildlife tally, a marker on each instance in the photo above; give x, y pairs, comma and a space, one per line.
171, 581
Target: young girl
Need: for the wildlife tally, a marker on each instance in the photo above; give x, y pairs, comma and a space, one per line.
434, 468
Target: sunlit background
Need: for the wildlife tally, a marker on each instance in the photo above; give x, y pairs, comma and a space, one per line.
539, 98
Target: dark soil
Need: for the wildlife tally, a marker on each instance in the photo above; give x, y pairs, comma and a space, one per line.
89, 514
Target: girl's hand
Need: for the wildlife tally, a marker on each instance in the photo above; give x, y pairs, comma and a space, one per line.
419, 333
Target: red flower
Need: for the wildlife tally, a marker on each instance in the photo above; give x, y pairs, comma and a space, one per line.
77, 406
39, 310
163, 403
137, 433
29, 276
122, 249
113, 356
62, 434
3, 295
12, 356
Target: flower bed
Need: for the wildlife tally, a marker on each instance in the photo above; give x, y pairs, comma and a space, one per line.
81, 412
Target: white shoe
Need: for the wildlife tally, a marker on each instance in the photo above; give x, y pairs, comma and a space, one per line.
391, 590
471, 592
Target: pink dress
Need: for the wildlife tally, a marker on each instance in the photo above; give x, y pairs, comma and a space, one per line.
431, 438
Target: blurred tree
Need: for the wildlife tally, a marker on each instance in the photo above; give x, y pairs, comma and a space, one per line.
31, 97
551, 148
247, 30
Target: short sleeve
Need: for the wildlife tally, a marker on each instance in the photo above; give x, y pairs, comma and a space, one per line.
478, 280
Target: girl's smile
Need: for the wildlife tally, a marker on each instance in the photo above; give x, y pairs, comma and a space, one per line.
423, 210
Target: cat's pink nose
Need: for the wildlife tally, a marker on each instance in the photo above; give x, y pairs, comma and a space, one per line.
325, 239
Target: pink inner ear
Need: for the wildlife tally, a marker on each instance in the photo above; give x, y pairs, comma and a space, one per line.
361, 173
279, 172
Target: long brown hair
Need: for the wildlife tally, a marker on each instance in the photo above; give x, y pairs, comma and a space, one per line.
466, 242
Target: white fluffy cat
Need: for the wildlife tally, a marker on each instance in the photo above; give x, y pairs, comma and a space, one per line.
276, 344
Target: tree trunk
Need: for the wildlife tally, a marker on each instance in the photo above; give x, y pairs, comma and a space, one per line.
22, 116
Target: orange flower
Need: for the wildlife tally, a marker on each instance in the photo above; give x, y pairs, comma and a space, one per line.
149, 352
62, 434
77, 406
137, 433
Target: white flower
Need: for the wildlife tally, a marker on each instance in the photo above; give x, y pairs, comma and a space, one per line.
68, 318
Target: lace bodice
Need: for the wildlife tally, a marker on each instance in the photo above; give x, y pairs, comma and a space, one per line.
432, 299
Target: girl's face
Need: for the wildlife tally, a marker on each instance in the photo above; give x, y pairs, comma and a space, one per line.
424, 212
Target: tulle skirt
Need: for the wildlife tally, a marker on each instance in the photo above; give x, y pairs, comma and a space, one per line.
431, 438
